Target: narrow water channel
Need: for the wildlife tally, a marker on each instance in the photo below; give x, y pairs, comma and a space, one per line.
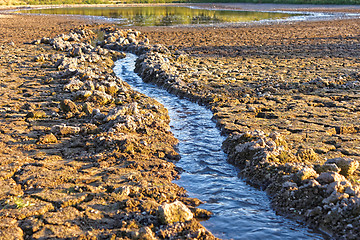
240, 211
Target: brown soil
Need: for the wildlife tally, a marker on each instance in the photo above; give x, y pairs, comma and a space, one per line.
79, 181
307, 61
298, 79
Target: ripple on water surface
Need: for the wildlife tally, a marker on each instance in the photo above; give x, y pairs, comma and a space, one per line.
240, 211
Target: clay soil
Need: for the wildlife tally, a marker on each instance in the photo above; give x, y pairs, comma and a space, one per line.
299, 79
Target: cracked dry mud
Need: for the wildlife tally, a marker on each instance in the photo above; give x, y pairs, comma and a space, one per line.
288, 90
288, 97
63, 175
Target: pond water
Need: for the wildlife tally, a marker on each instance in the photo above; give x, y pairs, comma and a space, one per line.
240, 211
165, 15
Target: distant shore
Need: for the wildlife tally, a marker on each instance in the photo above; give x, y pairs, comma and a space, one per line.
230, 6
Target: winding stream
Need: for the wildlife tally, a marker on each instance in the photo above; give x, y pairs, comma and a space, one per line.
240, 211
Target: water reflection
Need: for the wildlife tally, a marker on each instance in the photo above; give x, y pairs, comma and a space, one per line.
165, 15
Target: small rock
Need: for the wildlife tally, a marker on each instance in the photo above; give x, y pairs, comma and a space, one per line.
81, 95
65, 130
347, 165
66, 63
174, 212
68, 106
335, 197
145, 233
327, 167
48, 138
36, 114
289, 185
100, 98
73, 85
114, 113
329, 177
306, 173
112, 88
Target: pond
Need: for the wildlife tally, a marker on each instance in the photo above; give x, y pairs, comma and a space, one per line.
166, 15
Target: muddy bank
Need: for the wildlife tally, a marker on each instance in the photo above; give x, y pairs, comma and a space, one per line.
84, 156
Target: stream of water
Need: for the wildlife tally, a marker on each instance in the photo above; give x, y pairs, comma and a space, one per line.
240, 211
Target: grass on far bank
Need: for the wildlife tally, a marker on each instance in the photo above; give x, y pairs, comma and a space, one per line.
349, 2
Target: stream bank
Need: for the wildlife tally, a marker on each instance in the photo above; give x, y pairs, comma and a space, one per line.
239, 210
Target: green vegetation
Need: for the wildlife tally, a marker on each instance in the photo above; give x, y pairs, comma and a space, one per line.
18, 202
349, 2
52, 2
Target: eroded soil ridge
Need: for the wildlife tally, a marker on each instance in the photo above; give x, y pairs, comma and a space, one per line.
83, 155
297, 138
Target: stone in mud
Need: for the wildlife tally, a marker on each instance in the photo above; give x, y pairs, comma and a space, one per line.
65, 130
327, 167
114, 113
306, 173
174, 212
36, 114
73, 85
66, 63
100, 98
144, 233
48, 138
329, 177
335, 197
347, 165
111, 88
81, 95
68, 106
45, 40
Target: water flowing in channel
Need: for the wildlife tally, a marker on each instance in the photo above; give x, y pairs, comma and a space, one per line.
240, 211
